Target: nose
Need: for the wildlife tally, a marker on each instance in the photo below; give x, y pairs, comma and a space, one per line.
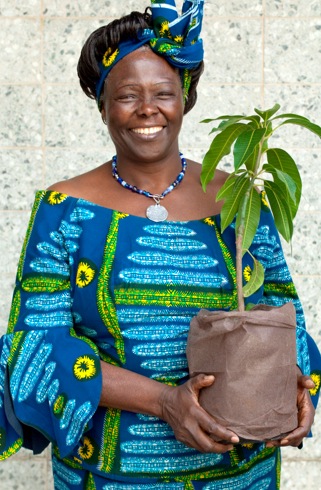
147, 106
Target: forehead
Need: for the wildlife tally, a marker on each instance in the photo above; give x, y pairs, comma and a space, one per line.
143, 65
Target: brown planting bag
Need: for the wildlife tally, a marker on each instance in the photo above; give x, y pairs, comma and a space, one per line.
253, 358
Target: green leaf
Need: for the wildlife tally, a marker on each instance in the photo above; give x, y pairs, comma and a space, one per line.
245, 145
235, 116
305, 123
281, 160
221, 146
291, 115
280, 209
227, 187
224, 124
248, 225
265, 115
254, 122
231, 204
250, 163
280, 178
207, 120
256, 280
227, 116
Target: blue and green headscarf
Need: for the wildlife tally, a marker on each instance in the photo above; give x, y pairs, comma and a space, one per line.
174, 37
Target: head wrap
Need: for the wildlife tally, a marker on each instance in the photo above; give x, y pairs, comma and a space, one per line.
173, 36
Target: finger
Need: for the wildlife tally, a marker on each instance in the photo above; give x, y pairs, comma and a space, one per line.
208, 424
297, 435
306, 382
205, 444
293, 439
194, 436
276, 443
217, 431
306, 412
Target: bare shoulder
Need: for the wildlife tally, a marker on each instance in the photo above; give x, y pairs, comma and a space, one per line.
219, 179
82, 185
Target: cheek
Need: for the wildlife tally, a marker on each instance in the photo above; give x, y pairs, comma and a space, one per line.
116, 116
176, 114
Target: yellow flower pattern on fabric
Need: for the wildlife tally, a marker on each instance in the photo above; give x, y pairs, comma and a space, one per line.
179, 39
209, 221
316, 378
87, 449
247, 273
110, 56
85, 368
85, 273
164, 29
56, 198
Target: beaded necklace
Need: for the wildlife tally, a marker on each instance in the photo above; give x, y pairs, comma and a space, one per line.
156, 212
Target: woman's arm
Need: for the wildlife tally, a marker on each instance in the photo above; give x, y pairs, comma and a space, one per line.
178, 406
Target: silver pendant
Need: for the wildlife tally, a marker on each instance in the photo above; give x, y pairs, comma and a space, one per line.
156, 213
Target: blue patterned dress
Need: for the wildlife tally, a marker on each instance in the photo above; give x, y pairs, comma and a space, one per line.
93, 283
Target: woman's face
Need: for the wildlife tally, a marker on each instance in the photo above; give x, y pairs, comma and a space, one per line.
143, 107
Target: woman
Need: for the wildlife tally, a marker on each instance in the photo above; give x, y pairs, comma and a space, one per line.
110, 276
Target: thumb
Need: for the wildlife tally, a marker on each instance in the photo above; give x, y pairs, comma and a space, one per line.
306, 382
201, 381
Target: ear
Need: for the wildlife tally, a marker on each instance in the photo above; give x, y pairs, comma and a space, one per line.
103, 115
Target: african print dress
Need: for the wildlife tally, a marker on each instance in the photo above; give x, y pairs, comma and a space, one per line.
96, 284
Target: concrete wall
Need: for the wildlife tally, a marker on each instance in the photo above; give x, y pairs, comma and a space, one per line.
258, 52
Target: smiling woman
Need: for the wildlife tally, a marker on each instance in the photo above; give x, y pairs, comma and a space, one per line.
115, 264
143, 108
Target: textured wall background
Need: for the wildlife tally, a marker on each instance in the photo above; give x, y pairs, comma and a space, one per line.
258, 52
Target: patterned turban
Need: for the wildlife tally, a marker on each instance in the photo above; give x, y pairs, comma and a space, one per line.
174, 37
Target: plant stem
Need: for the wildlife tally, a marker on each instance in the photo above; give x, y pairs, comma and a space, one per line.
239, 250
240, 232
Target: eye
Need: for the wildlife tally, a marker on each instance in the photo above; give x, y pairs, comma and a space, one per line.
165, 94
126, 97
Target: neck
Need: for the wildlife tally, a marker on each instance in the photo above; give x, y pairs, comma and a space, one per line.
152, 176
155, 212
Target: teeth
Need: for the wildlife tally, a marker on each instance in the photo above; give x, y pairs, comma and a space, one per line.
156, 129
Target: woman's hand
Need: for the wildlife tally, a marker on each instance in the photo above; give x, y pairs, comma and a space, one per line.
305, 415
191, 424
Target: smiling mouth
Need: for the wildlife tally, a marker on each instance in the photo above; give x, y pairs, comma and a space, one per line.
152, 130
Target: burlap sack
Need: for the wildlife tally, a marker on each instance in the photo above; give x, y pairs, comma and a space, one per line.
253, 358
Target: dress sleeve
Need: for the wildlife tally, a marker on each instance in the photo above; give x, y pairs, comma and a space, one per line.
278, 289
50, 379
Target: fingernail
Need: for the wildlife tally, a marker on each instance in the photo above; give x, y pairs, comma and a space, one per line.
235, 439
